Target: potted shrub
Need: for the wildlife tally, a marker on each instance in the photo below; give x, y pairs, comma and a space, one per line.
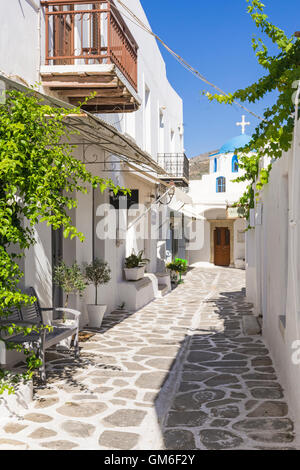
97, 273
135, 266
178, 266
72, 281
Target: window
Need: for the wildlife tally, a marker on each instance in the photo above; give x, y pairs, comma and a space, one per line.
161, 132
235, 164
215, 165
133, 199
172, 140
221, 185
147, 120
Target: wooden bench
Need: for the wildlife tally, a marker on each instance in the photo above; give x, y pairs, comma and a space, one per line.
30, 315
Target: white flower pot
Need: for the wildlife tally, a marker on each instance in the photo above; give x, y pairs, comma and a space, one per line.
96, 314
134, 274
65, 343
240, 263
60, 322
17, 402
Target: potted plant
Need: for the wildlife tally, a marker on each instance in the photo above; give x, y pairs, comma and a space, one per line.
178, 266
135, 266
121, 308
72, 281
97, 273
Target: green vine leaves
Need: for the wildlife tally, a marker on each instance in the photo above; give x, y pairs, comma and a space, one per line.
274, 134
39, 177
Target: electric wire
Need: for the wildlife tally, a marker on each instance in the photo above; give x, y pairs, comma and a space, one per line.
180, 59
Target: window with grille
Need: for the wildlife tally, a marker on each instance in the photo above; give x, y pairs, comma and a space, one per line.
221, 185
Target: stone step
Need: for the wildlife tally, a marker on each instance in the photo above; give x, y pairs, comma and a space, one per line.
251, 325
163, 289
164, 279
137, 294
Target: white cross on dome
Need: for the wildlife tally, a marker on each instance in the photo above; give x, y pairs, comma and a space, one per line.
243, 124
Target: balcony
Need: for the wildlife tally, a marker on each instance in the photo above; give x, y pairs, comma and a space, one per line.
177, 166
90, 50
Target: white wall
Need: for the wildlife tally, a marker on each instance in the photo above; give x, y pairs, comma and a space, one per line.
271, 284
203, 254
204, 190
22, 49
38, 265
38, 262
212, 205
19, 41
239, 246
152, 75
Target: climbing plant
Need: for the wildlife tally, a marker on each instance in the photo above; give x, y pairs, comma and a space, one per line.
274, 134
38, 179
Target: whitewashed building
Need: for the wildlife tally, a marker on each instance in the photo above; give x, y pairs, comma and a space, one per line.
213, 198
71, 49
272, 268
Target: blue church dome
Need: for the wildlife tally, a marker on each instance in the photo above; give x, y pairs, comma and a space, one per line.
235, 143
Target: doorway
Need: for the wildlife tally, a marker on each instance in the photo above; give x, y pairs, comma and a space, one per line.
63, 34
222, 246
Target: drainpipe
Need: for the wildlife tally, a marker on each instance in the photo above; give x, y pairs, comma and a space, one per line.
294, 211
39, 44
34, 4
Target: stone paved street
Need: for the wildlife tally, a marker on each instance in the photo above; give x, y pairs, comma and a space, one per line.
178, 374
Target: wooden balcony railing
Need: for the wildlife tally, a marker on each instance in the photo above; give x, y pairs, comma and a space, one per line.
83, 32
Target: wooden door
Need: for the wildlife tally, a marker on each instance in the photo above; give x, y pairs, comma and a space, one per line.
222, 246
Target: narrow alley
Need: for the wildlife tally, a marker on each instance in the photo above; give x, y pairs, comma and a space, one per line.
178, 374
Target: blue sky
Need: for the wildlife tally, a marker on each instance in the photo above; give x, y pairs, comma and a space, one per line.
215, 38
